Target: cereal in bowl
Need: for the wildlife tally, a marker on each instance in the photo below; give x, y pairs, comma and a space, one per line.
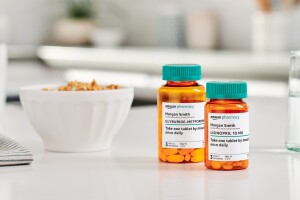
82, 86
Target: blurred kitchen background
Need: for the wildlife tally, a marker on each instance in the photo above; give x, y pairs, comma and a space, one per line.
127, 41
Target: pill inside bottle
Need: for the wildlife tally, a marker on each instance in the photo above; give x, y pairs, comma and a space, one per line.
226, 126
180, 104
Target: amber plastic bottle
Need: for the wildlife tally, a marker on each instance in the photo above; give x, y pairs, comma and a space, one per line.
180, 104
226, 126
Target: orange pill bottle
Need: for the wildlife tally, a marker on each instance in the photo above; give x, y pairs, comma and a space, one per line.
226, 126
180, 104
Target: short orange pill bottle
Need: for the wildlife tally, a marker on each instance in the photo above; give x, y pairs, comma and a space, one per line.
226, 126
180, 104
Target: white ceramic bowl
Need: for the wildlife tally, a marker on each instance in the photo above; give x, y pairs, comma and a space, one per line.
77, 121
107, 37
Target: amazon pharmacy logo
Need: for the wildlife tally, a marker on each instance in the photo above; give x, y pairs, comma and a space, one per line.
215, 117
170, 106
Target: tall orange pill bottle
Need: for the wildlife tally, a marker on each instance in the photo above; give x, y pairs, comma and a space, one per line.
180, 104
226, 126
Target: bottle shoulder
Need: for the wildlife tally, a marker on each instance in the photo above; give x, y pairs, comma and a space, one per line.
165, 88
224, 105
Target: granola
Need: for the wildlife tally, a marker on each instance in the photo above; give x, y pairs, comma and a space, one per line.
82, 86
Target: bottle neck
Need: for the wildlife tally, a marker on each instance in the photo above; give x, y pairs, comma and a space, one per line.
226, 100
181, 83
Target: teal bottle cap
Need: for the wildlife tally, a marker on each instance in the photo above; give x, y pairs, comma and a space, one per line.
181, 72
226, 90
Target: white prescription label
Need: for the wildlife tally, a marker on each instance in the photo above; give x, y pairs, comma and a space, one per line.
183, 125
228, 136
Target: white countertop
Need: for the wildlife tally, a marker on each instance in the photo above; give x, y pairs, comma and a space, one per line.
24, 73
140, 67
222, 63
130, 170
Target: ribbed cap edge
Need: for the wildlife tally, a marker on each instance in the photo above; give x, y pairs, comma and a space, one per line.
181, 72
226, 90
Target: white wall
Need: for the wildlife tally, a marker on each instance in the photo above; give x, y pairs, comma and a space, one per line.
140, 17
30, 21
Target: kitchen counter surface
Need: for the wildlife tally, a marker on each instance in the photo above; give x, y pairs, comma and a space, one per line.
222, 63
30, 72
130, 170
